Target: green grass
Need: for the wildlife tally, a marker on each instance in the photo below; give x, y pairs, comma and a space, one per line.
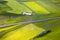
53, 25
49, 6
30, 30
50, 25
17, 7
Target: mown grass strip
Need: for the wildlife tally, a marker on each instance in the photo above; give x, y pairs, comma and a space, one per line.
37, 8
17, 7
49, 6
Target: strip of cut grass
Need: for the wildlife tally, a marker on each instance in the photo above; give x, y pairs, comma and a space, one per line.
17, 7
37, 8
49, 6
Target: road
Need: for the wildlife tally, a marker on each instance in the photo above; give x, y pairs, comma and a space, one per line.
26, 22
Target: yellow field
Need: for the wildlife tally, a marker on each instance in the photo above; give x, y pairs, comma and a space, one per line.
24, 33
7, 28
37, 8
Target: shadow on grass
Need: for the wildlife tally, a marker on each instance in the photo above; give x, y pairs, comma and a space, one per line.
43, 33
10, 14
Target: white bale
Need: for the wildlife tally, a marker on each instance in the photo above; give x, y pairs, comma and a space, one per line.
27, 13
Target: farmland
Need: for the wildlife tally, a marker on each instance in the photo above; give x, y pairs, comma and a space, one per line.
37, 8
17, 8
41, 10
27, 32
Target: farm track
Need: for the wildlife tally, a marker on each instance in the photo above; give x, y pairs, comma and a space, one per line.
26, 22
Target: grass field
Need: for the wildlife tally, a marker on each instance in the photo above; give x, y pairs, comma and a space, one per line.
17, 7
49, 6
25, 33
29, 31
37, 8
50, 25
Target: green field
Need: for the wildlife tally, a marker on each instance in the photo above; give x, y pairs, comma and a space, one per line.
51, 25
42, 10
49, 6
17, 7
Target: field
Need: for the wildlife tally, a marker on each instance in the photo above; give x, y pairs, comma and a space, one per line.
42, 10
25, 33
51, 7
17, 8
51, 25
37, 8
